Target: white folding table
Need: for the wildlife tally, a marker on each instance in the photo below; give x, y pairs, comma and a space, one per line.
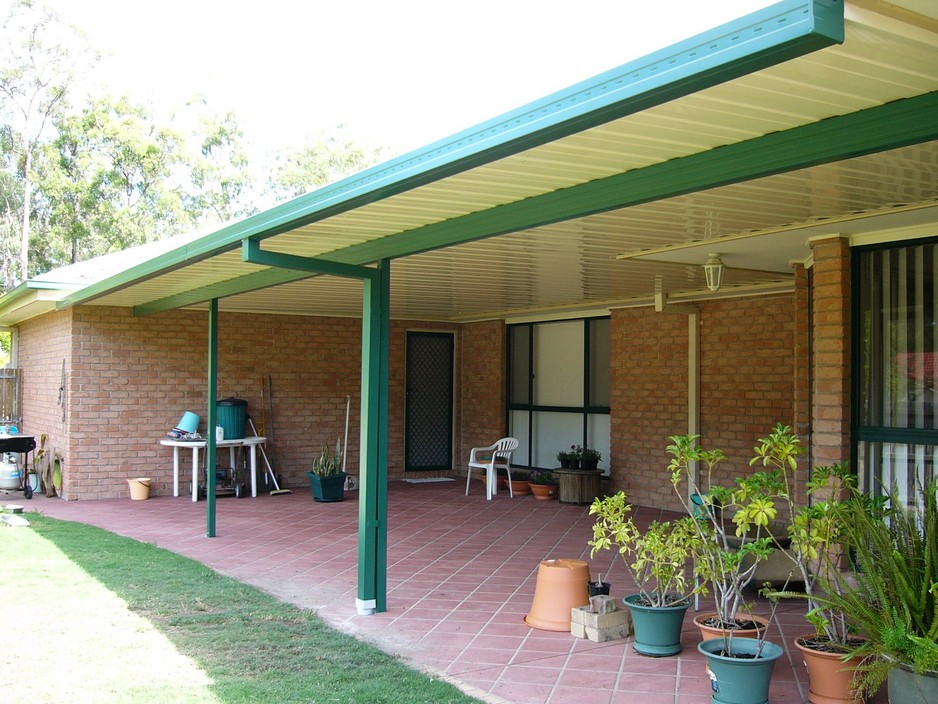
196, 445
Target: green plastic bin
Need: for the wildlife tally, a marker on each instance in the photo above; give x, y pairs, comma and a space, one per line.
232, 415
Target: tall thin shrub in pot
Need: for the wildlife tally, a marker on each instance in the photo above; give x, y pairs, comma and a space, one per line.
817, 543
731, 523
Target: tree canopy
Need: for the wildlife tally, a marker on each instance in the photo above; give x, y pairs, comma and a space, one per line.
84, 175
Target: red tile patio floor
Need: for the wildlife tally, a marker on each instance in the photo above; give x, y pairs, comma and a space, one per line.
461, 577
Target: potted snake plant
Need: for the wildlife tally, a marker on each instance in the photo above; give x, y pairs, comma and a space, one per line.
326, 478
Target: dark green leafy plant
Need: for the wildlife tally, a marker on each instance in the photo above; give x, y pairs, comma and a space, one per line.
891, 596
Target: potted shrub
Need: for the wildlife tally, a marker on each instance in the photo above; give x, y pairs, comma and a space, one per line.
740, 667
542, 485
566, 458
732, 524
891, 596
589, 458
326, 479
656, 558
816, 543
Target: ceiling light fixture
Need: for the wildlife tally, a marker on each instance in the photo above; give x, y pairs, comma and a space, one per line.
713, 271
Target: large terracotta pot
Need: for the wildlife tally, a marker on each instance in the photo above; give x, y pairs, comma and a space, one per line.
520, 487
561, 586
829, 677
544, 492
707, 632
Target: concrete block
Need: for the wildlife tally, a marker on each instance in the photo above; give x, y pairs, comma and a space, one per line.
599, 628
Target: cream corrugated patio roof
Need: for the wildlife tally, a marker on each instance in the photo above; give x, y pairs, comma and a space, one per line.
747, 141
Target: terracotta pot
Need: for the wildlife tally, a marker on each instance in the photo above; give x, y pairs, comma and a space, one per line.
708, 632
520, 487
561, 586
829, 677
544, 492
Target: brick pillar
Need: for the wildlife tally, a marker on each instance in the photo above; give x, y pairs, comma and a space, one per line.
831, 362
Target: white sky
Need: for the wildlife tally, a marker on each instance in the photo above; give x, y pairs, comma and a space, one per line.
401, 74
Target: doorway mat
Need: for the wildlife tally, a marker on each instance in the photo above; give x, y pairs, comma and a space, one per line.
428, 480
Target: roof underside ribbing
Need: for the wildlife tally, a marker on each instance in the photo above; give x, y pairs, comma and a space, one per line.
746, 141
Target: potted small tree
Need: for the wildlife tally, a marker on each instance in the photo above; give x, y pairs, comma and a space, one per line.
543, 485
656, 558
326, 479
731, 523
817, 542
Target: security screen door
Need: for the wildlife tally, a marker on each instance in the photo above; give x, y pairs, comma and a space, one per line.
429, 406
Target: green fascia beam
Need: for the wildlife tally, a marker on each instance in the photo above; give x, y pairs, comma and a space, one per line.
253, 254
770, 36
890, 126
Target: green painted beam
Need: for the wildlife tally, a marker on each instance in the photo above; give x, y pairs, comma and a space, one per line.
772, 35
252, 253
890, 126
373, 480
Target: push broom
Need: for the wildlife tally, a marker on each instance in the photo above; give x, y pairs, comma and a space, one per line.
270, 470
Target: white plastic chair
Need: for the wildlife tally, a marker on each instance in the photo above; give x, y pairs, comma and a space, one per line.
491, 458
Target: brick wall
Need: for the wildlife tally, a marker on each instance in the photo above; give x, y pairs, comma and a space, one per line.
484, 385
746, 385
131, 379
44, 349
831, 353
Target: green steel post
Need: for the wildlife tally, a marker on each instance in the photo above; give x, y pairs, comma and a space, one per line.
373, 487
212, 416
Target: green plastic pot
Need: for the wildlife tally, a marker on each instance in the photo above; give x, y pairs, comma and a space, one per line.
740, 680
657, 628
327, 489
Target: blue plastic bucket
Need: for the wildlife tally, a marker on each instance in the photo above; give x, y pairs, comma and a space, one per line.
189, 422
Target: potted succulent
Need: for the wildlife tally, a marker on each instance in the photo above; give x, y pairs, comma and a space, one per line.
326, 479
816, 547
731, 523
542, 485
891, 596
656, 558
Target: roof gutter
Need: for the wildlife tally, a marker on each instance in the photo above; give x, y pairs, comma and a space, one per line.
770, 36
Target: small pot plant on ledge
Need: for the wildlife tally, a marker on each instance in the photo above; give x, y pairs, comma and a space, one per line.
327, 480
656, 558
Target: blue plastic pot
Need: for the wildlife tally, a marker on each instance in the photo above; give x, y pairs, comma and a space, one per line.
657, 628
740, 680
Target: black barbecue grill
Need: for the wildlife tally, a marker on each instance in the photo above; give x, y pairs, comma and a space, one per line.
22, 445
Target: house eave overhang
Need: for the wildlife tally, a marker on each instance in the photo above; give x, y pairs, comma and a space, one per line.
770, 36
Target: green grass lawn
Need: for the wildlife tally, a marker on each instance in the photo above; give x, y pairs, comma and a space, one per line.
89, 616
